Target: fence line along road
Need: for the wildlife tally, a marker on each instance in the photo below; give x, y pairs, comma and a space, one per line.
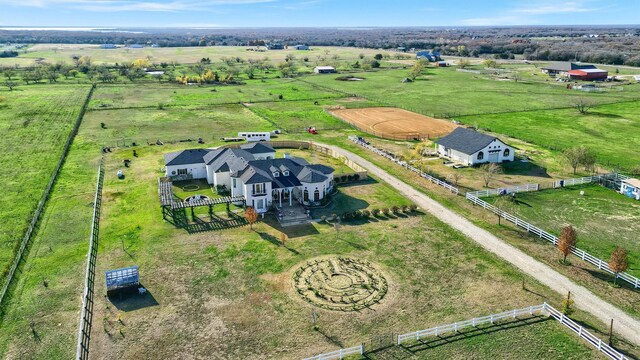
406, 165
542, 234
86, 314
43, 200
542, 309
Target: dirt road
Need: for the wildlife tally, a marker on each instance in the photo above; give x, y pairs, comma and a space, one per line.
626, 325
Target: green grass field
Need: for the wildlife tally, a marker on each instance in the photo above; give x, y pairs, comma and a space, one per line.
229, 284
603, 218
447, 92
34, 123
240, 279
605, 129
53, 53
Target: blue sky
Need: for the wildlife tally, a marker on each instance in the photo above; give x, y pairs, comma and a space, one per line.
314, 13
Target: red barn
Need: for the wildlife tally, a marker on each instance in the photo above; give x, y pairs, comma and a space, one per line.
588, 74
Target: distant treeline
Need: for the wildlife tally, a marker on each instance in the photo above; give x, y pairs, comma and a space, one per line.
616, 45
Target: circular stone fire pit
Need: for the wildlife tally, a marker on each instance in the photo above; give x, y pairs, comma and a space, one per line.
340, 283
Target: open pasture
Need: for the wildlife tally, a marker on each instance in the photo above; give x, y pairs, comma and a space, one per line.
603, 218
35, 122
394, 123
53, 53
222, 287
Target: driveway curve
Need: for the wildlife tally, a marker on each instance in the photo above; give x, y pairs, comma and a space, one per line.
625, 325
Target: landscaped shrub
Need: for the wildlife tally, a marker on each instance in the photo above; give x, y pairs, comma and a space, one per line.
375, 212
405, 208
357, 214
347, 216
343, 178
334, 216
395, 209
385, 211
413, 207
366, 213
323, 218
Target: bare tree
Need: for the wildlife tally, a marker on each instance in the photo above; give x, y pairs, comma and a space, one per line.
567, 241
580, 155
619, 262
463, 63
489, 172
582, 105
9, 73
454, 178
573, 156
251, 215
283, 239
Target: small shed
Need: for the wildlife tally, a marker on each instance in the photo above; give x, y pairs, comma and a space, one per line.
631, 188
122, 279
324, 70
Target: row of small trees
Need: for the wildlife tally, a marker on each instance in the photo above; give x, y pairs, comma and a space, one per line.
364, 214
618, 261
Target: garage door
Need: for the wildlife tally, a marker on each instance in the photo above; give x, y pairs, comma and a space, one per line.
493, 157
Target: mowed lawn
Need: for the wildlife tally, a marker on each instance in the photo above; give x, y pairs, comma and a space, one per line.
35, 122
609, 130
445, 92
170, 124
223, 288
603, 219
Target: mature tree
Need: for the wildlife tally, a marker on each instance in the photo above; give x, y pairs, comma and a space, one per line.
619, 262
490, 63
582, 105
489, 172
378, 56
251, 215
375, 64
567, 241
463, 63
10, 84
9, 73
417, 69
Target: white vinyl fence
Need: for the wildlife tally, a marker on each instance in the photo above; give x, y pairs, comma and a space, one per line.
339, 354
542, 309
406, 165
545, 309
601, 264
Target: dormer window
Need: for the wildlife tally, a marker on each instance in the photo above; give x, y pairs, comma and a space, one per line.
285, 173
276, 174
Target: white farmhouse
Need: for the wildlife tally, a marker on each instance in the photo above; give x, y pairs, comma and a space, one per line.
471, 147
254, 172
631, 188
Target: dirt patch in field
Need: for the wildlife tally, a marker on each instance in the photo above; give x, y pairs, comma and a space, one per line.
394, 123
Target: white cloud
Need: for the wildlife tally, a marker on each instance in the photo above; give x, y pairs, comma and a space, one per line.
133, 5
559, 8
529, 15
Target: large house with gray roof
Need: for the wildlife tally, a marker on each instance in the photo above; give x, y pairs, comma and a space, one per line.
254, 172
470, 147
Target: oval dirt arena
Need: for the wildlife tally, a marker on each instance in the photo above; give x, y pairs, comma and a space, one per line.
394, 123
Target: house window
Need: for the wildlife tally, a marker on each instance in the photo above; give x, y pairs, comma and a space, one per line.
182, 171
234, 182
480, 155
258, 188
506, 153
260, 204
276, 174
285, 173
